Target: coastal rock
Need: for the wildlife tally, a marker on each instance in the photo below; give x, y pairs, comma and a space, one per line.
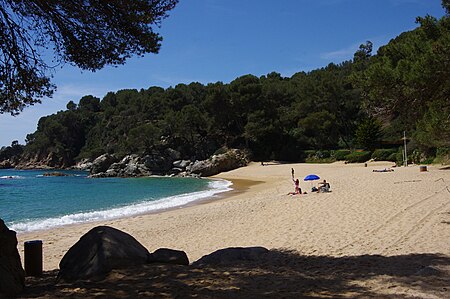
130, 159
157, 164
84, 164
102, 163
203, 168
12, 275
129, 166
182, 164
5, 164
168, 256
172, 154
175, 171
166, 162
161, 162
99, 251
110, 174
55, 173
232, 255
40, 161
132, 170
230, 160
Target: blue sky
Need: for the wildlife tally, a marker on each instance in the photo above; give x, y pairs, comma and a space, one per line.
219, 40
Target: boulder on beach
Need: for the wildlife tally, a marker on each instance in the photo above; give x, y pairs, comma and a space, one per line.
12, 275
169, 256
232, 255
99, 251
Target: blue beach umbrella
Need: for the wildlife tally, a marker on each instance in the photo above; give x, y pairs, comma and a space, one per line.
311, 177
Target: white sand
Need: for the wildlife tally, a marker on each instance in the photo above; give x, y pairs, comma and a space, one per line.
392, 213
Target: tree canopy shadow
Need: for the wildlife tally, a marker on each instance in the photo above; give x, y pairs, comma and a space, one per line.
277, 274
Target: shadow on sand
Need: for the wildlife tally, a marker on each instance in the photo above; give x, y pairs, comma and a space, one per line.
278, 274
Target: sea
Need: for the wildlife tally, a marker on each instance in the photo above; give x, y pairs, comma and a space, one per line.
30, 200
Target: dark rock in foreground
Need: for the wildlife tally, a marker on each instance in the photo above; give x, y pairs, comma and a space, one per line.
99, 251
12, 275
169, 256
232, 255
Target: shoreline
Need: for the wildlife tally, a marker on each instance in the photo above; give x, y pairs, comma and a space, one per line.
149, 207
239, 186
367, 213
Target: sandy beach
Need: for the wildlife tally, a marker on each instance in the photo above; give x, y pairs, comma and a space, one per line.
376, 234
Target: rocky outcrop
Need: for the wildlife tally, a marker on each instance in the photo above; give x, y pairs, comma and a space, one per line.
102, 163
6, 164
232, 255
51, 160
84, 164
55, 173
161, 162
169, 256
12, 275
167, 162
134, 165
98, 252
230, 160
129, 166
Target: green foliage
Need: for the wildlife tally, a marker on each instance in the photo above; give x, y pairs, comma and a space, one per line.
310, 116
406, 84
71, 106
384, 155
340, 155
368, 133
434, 128
446, 6
442, 156
11, 152
87, 34
358, 157
273, 117
320, 156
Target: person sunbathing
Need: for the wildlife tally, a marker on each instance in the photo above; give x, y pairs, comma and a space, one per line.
297, 189
383, 170
324, 186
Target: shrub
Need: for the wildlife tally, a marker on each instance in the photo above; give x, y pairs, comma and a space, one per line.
319, 156
309, 153
442, 155
358, 157
339, 155
392, 157
384, 155
399, 157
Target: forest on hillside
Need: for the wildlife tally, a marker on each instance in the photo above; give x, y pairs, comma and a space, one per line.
363, 104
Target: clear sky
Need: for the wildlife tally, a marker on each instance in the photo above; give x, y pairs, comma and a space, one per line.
219, 40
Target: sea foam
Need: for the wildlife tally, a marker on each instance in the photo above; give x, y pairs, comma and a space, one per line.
8, 177
215, 187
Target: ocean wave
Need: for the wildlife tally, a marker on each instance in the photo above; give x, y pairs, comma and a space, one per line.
7, 177
215, 187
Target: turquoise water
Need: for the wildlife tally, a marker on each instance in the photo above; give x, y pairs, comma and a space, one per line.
30, 201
